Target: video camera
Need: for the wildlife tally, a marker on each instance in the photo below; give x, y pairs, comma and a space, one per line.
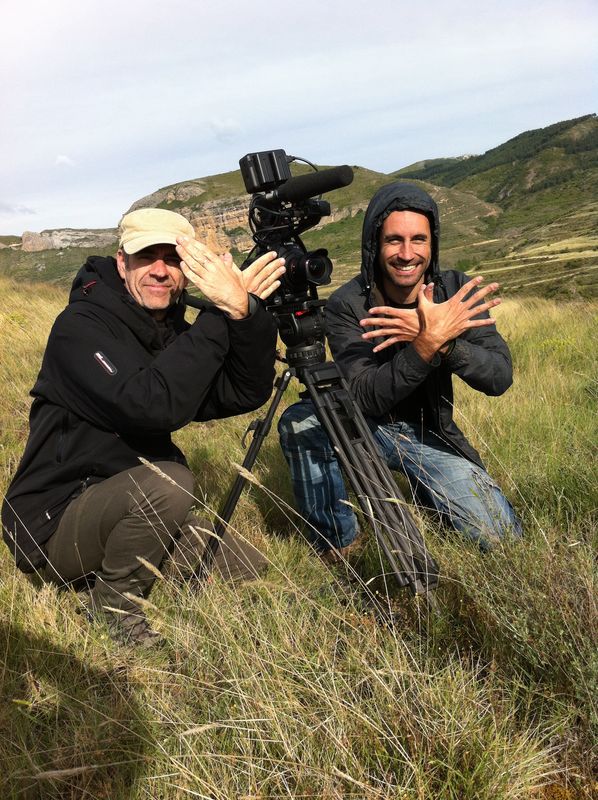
281, 209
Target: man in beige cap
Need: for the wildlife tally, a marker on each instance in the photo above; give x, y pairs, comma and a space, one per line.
121, 371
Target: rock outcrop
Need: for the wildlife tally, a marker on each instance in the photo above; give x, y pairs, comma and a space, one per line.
68, 237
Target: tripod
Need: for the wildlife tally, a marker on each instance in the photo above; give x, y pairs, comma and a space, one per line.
370, 478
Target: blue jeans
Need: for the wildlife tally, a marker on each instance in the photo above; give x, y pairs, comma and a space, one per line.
460, 493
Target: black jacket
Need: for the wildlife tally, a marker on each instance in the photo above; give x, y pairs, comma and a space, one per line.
381, 380
113, 386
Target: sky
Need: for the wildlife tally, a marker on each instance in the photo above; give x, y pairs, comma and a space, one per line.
106, 101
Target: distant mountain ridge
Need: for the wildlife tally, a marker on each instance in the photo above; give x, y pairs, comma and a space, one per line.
577, 138
524, 212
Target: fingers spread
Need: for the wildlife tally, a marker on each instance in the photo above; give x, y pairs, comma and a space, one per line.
267, 291
262, 276
198, 257
376, 334
263, 260
386, 310
187, 272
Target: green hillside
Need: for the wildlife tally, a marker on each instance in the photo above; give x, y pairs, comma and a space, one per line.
576, 138
50, 266
229, 186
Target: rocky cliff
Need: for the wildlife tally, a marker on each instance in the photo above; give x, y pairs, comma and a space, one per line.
221, 222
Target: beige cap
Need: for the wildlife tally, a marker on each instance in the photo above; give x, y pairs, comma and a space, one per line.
149, 226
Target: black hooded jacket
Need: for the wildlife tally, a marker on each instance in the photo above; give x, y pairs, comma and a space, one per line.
114, 384
380, 381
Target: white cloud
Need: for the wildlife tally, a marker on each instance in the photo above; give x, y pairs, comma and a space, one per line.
15, 208
64, 161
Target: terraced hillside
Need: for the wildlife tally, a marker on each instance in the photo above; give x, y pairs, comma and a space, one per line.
544, 187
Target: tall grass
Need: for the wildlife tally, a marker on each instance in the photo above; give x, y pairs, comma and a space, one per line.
295, 685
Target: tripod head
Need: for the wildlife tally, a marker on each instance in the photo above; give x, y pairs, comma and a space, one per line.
302, 328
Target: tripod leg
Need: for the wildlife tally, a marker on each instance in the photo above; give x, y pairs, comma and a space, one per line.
370, 478
383, 505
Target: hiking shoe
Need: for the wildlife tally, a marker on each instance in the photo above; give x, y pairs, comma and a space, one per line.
188, 551
130, 627
336, 555
134, 629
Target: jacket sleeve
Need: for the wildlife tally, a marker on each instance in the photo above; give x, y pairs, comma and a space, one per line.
378, 383
482, 360
481, 356
245, 381
215, 368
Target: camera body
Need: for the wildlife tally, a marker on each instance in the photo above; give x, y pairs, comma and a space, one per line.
282, 207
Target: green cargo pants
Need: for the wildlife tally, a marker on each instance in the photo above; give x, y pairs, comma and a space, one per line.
139, 513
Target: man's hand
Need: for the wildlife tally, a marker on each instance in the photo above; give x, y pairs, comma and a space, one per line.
222, 282
398, 324
262, 276
442, 322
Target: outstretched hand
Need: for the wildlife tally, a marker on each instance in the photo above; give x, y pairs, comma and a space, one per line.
262, 276
442, 322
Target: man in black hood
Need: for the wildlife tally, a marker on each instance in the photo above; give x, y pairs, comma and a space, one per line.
399, 331
101, 489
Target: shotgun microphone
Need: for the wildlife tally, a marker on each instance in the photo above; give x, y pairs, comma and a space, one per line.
302, 187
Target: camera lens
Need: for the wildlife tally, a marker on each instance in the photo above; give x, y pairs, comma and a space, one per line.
316, 268
307, 268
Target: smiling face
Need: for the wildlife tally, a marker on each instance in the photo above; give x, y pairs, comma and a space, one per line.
153, 277
405, 252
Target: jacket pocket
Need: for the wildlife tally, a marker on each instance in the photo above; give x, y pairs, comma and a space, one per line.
57, 509
67, 426
61, 441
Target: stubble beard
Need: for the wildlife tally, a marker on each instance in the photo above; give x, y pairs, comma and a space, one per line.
397, 283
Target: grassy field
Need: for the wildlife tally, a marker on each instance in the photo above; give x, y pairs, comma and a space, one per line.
295, 686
